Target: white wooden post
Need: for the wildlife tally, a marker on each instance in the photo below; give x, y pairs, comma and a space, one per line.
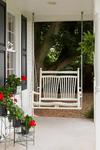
97, 77
40, 86
33, 62
78, 88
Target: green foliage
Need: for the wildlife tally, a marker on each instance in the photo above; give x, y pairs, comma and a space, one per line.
7, 98
63, 44
53, 55
44, 27
15, 111
5, 90
64, 39
13, 81
26, 121
87, 47
90, 114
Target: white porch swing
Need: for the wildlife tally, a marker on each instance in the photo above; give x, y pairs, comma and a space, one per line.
60, 89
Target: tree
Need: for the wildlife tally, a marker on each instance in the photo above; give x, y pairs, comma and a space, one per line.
62, 38
43, 35
87, 47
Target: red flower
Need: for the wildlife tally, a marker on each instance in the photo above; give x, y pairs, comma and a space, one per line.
24, 78
11, 95
32, 123
1, 96
15, 100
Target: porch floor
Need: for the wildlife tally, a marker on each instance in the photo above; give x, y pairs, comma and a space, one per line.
61, 134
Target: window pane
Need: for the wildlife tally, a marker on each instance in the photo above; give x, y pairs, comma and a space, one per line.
11, 41
9, 60
11, 63
11, 55
11, 32
9, 72
9, 22
13, 24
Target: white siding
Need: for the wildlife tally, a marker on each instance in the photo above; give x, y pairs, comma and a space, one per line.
26, 94
25, 97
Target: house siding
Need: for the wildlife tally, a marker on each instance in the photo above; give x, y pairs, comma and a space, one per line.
24, 98
25, 95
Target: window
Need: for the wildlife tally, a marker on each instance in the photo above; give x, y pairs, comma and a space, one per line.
11, 53
24, 50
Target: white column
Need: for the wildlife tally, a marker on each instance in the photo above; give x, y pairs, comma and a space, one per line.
97, 77
33, 62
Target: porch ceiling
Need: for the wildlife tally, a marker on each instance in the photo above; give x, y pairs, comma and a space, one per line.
56, 10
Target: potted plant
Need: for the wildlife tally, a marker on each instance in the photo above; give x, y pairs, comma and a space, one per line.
8, 103
13, 81
17, 115
4, 99
27, 123
3, 110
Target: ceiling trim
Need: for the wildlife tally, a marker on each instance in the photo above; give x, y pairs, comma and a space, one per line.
55, 18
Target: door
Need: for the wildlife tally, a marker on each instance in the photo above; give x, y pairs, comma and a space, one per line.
2, 41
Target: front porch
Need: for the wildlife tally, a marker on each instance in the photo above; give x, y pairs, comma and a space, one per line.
61, 134
53, 133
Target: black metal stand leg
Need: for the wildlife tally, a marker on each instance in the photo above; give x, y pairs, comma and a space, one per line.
14, 137
5, 133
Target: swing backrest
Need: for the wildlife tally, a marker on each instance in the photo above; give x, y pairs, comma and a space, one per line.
59, 88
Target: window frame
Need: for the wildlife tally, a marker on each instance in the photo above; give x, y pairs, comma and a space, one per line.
12, 50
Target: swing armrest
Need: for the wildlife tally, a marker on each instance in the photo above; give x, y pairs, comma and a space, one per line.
37, 92
38, 88
80, 93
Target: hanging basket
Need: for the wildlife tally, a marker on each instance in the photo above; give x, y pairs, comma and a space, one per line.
3, 111
24, 130
16, 123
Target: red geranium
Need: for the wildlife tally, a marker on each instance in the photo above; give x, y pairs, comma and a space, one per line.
15, 100
32, 123
1, 96
24, 78
10, 95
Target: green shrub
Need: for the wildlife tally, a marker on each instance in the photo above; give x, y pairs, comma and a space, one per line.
90, 113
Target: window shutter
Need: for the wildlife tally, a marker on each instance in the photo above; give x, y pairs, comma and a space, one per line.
2, 41
24, 50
